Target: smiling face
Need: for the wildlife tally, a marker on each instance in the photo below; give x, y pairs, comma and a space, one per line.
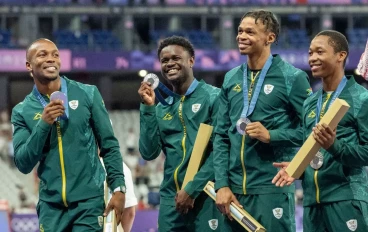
323, 59
43, 61
253, 37
176, 64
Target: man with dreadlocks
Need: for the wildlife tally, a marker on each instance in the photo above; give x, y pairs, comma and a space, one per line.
259, 122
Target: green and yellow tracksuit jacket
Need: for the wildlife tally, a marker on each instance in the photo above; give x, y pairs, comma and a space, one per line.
342, 175
245, 164
69, 167
173, 129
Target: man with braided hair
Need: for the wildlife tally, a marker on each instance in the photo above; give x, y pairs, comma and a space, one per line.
258, 123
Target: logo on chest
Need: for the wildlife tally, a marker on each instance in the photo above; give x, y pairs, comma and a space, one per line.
277, 212
73, 104
268, 88
196, 107
167, 117
309, 91
237, 88
213, 223
352, 224
312, 114
37, 116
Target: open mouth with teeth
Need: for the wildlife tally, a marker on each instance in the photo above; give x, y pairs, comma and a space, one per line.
51, 68
315, 67
243, 44
172, 71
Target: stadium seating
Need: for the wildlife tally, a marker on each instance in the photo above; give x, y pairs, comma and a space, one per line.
105, 40
5, 39
68, 39
297, 38
98, 40
200, 39
119, 121
357, 37
10, 179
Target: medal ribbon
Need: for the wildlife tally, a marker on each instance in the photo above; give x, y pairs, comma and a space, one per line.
339, 89
248, 107
64, 89
170, 93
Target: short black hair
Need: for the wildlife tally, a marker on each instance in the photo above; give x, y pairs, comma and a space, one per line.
268, 19
336, 40
176, 40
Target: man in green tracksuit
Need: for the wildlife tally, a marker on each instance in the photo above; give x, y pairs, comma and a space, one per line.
172, 127
335, 184
61, 134
258, 123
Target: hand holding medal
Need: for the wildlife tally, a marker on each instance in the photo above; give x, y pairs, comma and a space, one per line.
151, 87
146, 90
249, 105
256, 130
57, 95
152, 79
241, 125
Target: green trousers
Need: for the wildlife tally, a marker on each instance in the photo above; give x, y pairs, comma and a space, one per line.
275, 212
204, 217
339, 216
81, 216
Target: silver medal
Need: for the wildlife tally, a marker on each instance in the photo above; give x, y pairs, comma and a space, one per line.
317, 161
152, 79
241, 124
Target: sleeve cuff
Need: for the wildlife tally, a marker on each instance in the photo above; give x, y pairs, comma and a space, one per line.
44, 125
120, 189
191, 191
146, 108
273, 136
117, 184
221, 183
335, 147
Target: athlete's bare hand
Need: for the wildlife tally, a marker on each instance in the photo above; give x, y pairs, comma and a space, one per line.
256, 130
146, 93
117, 203
53, 110
282, 178
224, 197
324, 135
184, 202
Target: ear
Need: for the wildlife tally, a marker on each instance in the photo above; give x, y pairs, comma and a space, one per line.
342, 56
271, 37
191, 61
29, 68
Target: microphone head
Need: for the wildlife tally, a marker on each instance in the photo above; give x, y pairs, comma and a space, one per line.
152, 79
